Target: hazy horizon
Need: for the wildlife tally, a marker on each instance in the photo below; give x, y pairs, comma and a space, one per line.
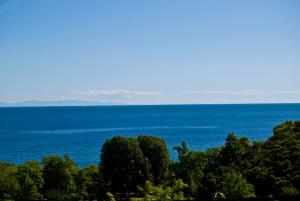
75, 103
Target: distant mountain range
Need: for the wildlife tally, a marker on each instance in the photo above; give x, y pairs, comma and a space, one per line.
34, 103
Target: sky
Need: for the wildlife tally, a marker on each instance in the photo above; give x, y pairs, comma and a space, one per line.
150, 52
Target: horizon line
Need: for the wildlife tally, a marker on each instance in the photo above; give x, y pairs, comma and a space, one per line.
142, 104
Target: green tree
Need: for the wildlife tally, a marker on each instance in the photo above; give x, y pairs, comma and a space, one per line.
212, 157
190, 167
234, 149
88, 183
164, 193
123, 165
261, 179
235, 186
30, 177
59, 177
155, 150
9, 185
282, 157
255, 169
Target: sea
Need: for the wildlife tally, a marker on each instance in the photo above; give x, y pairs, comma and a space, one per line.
30, 133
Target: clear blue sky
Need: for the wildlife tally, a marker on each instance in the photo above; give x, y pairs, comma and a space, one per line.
150, 52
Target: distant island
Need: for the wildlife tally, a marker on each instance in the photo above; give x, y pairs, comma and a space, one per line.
34, 103
37, 103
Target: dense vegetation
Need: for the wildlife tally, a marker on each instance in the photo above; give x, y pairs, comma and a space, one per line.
141, 169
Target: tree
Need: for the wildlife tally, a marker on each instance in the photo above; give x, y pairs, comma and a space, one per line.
88, 183
282, 156
191, 167
212, 157
234, 149
235, 186
9, 186
123, 165
261, 179
254, 166
30, 177
59, 177
164, 193
155, 150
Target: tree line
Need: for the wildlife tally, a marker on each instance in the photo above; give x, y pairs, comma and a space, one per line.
141, 169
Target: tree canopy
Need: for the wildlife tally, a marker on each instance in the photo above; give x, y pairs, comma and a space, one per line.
123, 165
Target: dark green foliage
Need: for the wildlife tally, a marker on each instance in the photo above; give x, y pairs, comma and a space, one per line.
31, 181
123, 165
88, 183
9, 185
212, 157
59, 176
155, 150
234, 150
283, 151
272, 167
190, 167
235, 186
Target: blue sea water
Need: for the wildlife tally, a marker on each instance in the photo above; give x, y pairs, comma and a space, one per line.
28, 133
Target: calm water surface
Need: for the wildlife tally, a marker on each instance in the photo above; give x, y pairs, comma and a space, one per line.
32, 132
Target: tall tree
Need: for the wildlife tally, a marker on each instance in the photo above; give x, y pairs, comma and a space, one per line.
190, 167
234, 149
88, 183
9, 185
123, 165
30, 177
156, 151
59, 178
